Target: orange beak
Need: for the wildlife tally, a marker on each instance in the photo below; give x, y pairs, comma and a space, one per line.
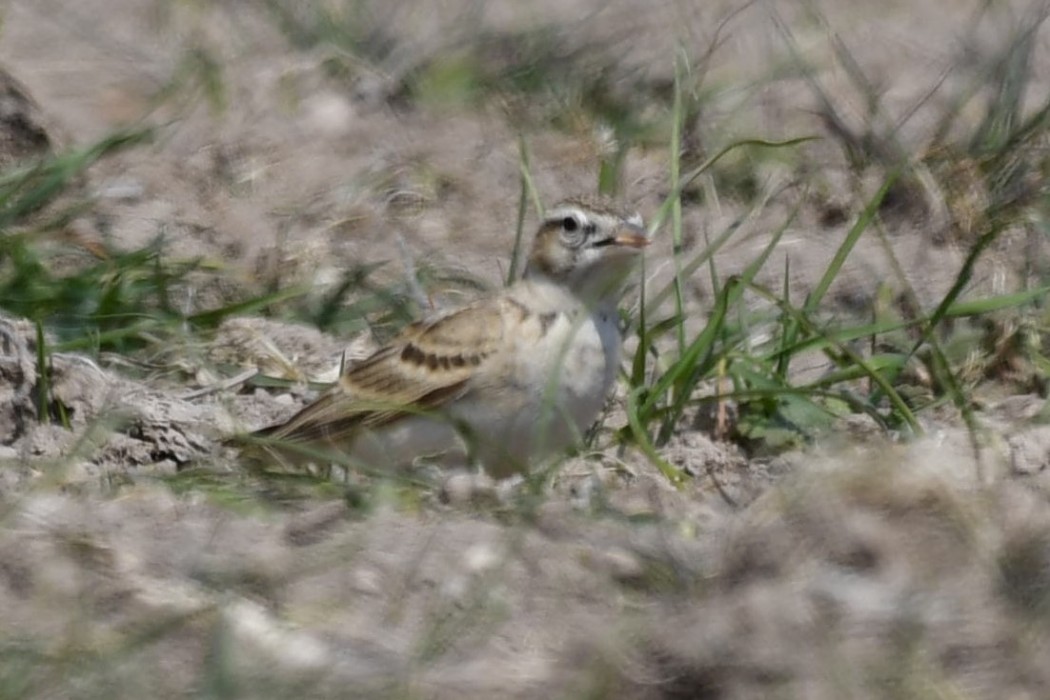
631, 236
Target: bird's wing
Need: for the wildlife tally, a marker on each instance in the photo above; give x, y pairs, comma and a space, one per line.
429, 364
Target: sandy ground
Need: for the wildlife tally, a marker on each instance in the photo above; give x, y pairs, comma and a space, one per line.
857, 568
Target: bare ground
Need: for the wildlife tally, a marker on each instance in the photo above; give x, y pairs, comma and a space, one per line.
856, 568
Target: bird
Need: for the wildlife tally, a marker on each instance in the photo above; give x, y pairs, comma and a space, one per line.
501, 383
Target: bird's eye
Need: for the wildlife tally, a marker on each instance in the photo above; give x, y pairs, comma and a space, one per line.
569, 223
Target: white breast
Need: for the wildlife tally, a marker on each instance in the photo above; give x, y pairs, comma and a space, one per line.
541, 395
584, 356
562, 368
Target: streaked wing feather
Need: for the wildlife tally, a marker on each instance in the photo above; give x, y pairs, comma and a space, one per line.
428, 365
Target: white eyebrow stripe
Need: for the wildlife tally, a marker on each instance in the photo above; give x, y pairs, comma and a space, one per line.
561, 213
585, 218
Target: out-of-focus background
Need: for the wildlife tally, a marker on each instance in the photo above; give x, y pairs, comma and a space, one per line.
823, 473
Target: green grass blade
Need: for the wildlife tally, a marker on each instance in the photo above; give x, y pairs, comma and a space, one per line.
656, 300
641, 438
213, 317
698, 347
43, 376
961, 280
816, 296
665, 208
527, 192
844, 350
677, 118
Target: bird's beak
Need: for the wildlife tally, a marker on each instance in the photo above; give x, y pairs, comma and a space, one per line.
631, 236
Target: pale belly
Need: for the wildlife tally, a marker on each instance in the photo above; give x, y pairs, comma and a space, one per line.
553, 394
570, 378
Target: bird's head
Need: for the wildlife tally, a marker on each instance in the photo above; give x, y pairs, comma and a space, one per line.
589, 245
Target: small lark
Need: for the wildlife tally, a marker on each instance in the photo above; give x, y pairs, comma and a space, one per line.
504, 381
